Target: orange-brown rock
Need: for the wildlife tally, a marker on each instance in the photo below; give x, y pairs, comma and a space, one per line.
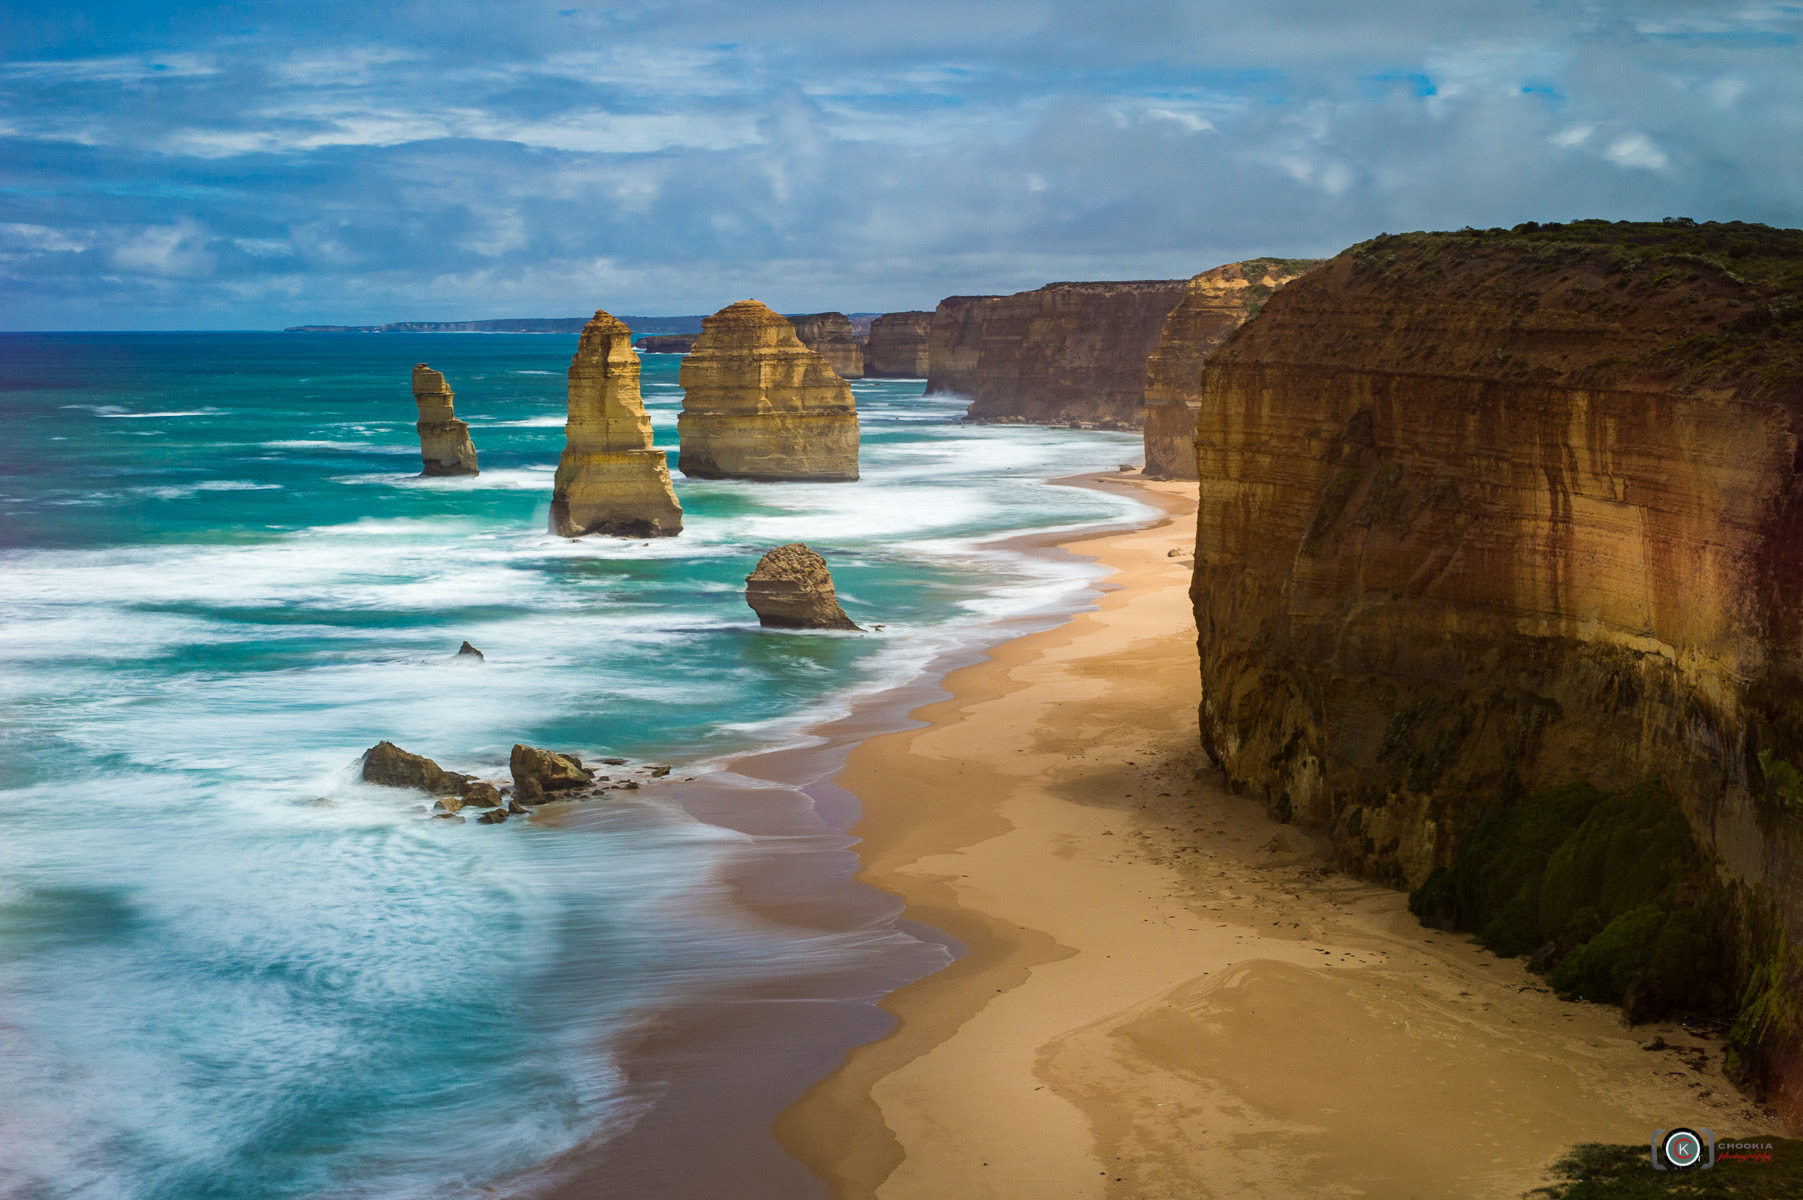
757, 404
1071, 352
610, 480
898, 346
831, 336
1485, 513
791, 588
954, 345
1214, 304
444, 441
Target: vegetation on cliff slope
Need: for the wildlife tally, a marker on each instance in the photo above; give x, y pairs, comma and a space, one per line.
1593, 1171
1613, 882
1731, 291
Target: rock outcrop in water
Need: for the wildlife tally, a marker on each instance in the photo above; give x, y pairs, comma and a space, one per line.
898, 346
1214, 304
791, 588
1489, 513
387, 764
954, 345
610, 480
539, 774
444, 441
831, 336
758, 404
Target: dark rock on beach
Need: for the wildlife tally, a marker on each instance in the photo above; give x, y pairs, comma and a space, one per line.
536, 773
390, 766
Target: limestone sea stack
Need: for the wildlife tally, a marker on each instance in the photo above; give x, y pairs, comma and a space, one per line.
757, 404
954, 344
831, 336
792, 589
444, 441
1214, 304
1492, 512
897, 346
610, 480
1071, 353
667, 343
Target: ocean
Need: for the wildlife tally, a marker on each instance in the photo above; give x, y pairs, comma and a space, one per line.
228, 968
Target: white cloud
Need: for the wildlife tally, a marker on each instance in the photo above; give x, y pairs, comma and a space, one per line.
173, 251
1636, 150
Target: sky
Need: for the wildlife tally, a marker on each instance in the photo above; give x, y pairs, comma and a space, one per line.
254, 165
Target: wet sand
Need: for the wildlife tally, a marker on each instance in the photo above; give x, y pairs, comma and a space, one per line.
1166, 994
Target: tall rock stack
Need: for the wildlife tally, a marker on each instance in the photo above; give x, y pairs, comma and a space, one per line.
831, 336
610, 480
1214, 304
758, 404
954, 344
898, 345
1071, 353
444, 441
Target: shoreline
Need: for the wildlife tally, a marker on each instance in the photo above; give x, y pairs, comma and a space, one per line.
1165, 992
720, 1068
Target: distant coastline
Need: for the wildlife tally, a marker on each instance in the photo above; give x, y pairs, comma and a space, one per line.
509, 325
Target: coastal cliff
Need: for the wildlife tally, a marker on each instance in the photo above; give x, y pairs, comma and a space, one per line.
609, 479
831, 336
1071, 352
954, 343
444, 441
757, 404
1491, 513
898, 345
1214, 304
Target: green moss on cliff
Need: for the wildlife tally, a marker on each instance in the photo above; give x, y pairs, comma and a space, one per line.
1614, 880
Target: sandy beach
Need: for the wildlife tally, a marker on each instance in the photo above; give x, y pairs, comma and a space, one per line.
1164, 993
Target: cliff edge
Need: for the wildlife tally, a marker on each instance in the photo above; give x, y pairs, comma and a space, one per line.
1493, 512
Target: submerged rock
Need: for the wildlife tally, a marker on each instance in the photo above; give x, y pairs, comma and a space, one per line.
387, 764
757, 404
538, 773
494, 816
444, 441
610, 480
830, 335
792, 589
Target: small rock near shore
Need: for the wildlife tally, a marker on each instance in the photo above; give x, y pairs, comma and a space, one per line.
545, 771
792, 589
390, 766
482, 795
660, 770
493, 816
468, 651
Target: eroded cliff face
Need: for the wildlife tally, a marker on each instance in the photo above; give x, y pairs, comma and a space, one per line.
1071, 352
831, 336
758, 404
1482, 514
1214, 304
610, 480
444, 441
954, 343
898, 347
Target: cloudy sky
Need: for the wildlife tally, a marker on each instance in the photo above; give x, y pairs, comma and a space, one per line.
260, 164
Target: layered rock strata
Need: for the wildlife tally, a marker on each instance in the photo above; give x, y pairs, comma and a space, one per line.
898, 346
1214, 304
757, 404
954, 344
1071, 353
1490, 512
444, 441
791, 588
831, 336
610, 480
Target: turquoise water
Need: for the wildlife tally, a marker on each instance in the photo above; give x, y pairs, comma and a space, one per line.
227, 967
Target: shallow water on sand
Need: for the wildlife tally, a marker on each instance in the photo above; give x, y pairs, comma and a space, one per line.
227, 967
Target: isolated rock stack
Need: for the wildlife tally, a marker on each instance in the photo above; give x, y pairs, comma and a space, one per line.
898, 344
758, 404
792, 589
610, 480
444, 441
831, 336
1214, 304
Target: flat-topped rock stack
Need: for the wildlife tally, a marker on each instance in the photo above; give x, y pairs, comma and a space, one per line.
831, 336
898, 345
610, 480
955, 345
791, 588
444, 441
1214, 304
758, 404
